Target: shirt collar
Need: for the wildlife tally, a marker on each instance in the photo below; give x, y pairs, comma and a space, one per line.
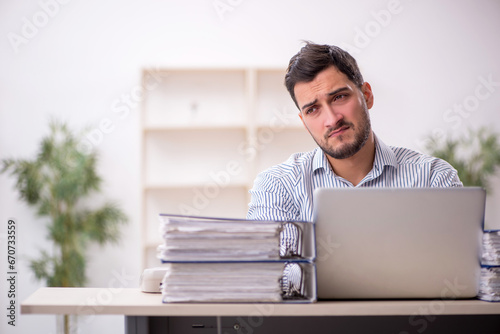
384, 156
320, 160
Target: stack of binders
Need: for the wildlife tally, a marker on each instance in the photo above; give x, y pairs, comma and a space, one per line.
489, 287
235, 260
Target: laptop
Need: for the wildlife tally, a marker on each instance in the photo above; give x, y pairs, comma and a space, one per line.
393, 243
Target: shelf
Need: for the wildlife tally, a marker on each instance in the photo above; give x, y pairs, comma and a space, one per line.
206, 133
277, 126
289, 128
196, 98
273, 104
194, 157
276, 147
153, 244
196, 127
211, 200
186, 186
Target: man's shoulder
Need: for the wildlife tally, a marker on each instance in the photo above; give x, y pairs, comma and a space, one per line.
406, 156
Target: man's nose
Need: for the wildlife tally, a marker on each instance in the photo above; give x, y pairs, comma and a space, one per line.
331, 116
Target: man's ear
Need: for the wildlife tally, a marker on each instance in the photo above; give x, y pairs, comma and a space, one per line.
366, 89
302, 119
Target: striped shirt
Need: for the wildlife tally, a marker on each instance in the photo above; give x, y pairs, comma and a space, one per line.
285, 191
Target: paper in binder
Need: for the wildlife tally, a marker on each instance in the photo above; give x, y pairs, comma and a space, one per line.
188, 238
236, 260
489, 286
233, 282
491, 248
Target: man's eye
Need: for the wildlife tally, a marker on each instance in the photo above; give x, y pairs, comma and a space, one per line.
311, 110
339, 97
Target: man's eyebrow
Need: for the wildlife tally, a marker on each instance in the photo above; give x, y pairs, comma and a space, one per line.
307, 105
336, 91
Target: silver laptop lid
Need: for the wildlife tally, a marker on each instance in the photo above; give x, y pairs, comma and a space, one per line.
398, 242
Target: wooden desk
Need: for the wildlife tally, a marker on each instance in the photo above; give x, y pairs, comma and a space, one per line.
146, 313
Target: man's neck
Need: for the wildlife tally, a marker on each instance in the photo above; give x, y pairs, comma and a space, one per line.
355, 168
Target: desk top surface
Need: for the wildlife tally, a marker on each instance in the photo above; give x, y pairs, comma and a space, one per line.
133, 302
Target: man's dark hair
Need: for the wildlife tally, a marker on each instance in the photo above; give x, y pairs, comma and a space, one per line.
314, 58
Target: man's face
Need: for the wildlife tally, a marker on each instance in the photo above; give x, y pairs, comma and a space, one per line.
335, 112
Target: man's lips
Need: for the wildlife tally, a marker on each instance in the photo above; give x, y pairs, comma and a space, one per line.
338, 131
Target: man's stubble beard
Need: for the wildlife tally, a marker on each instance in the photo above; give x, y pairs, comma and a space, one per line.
348, 149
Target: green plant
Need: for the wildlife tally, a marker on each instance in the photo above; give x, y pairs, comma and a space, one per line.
56, 183
476, 156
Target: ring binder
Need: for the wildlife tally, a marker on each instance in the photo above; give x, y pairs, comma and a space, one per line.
209, 259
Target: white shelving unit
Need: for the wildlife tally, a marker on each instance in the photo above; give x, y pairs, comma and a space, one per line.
206, 133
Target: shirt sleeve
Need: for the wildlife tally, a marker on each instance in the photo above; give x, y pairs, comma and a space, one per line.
270, 200
444, 175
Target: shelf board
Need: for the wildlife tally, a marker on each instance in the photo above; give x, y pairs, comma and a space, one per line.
297, 127
196, 70
153, 244
180, 185
195, 127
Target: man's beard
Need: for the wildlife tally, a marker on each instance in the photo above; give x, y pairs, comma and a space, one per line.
349, 149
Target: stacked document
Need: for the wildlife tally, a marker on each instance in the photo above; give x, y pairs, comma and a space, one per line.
235, 260
489, 287
227, 282
491, 248
202, 239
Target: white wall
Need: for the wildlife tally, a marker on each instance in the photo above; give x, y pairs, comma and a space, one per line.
422, 59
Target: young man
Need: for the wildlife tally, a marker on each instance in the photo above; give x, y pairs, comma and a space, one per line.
326, 85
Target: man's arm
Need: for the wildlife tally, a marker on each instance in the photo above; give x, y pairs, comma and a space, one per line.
270, 200
444, 175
